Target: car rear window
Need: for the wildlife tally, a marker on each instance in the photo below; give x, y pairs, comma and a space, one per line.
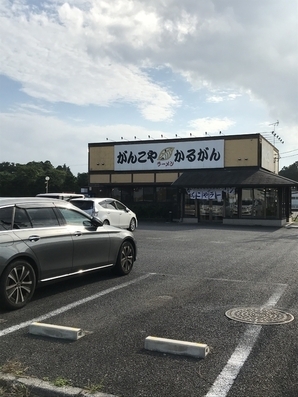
5, 218
83, 205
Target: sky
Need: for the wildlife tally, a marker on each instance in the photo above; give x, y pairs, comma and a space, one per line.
88, 71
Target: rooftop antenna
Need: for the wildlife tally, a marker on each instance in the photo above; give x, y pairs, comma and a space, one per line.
276, 124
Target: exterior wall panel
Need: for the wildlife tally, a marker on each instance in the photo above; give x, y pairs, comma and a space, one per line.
121, 178
270, 157
100, 178
101, 158
143, 178
241, 152
167, 177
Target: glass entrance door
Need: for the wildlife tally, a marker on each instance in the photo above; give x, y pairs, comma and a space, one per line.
211, 210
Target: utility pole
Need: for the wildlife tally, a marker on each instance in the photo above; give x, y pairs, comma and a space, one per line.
47, 178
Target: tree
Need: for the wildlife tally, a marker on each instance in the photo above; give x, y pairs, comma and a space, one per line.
82, 180
29, 179
290, 172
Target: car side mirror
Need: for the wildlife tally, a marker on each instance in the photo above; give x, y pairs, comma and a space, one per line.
96, 221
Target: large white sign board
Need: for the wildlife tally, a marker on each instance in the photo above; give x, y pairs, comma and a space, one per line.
169, 155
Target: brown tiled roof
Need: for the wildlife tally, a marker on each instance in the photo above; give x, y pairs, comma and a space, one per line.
232, 177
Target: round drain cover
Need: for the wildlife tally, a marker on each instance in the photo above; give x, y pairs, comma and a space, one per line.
263, 315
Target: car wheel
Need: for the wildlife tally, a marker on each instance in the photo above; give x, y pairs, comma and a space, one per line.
105, 222
17, 284
132, 225
125, 259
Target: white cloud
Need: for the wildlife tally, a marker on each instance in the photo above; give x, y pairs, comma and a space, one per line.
84, 52
48, 138
71, 60
215, 99
210, 125
90, 52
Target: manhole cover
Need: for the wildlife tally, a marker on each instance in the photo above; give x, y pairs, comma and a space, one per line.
263, 315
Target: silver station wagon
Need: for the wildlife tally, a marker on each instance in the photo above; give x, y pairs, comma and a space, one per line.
42, 239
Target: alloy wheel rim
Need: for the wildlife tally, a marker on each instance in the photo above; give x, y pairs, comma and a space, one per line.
127, 258
19, 284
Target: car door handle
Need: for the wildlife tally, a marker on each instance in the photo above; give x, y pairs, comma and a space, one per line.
33, 238
78, 233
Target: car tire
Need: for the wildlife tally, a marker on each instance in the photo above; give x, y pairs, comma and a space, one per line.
132, 225
105, 222
17, 284
125, 259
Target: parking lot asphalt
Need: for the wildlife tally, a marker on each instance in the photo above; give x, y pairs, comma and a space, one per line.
185, 280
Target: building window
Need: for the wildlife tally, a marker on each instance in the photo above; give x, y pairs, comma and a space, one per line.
148, 193
145, 193
259, 203
271, 203
231, 204
116, 193
126, 195
247, 203
161, 194
166, 194
137, 194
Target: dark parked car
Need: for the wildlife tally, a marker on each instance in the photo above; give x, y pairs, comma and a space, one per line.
43, 239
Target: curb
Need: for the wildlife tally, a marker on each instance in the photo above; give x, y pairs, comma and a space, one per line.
291, 225
39, 388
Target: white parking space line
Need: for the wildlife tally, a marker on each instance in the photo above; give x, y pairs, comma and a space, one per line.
226, 378
72, 305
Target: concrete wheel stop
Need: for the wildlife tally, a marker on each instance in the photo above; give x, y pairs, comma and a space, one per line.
172, 346
55, 331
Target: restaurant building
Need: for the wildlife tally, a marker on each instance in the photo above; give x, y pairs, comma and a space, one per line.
227, 179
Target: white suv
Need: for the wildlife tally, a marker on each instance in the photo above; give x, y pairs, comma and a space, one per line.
109, 211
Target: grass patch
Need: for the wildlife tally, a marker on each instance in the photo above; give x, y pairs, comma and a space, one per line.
13, 367
17, 369
94, 388
61, 382
15, 390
